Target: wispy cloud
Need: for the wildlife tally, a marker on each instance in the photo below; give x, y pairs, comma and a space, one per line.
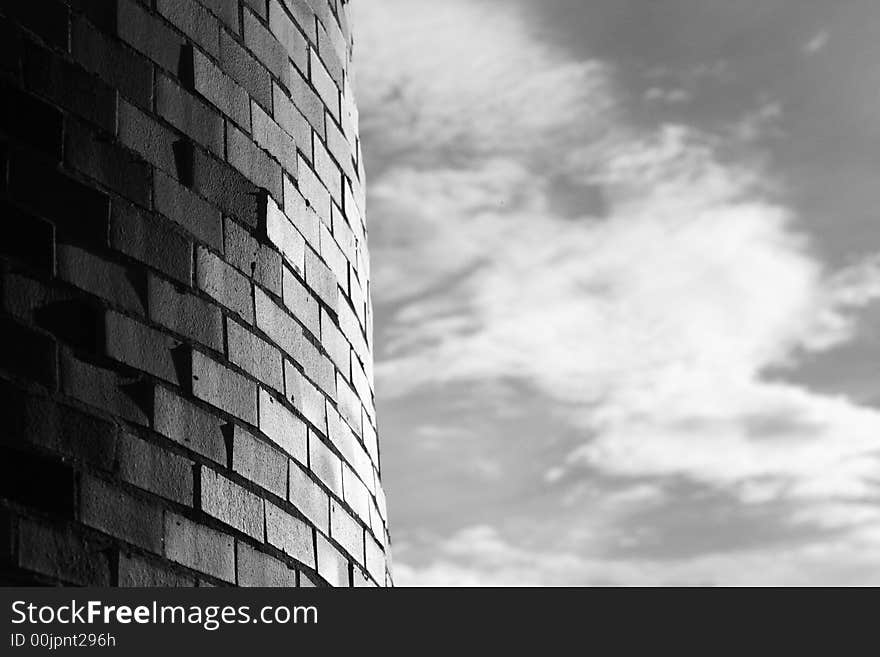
644, 281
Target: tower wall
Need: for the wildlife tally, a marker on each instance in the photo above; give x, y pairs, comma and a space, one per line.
185, 367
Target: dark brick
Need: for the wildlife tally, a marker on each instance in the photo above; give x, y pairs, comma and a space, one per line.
189, 115
290, 535
192, 19
29, 354
282, 427
271, 137
219, 89
189, 425
113, 282
188, 210
245, 70
253, 163
225, 284
50, 20
151, 239
27, 240
309, 498
113, 512
200, 548
247, 255
110, 165
259, 569
223, 388
255, 356
148, 137
135, 571
59, 553
185, 314
27, 119
232, 504
147, 34
37, 481
227, 189
332, 566
267, 48
79, 212
33, 420
127, 398
260, 463
128, 71
300, 302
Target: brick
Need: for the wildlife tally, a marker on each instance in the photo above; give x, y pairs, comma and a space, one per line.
232, 504
282, 427
343, 236
360, 579
346, 442
224, 388
192, 19
333, 62
313, 190
346, 531
336, 260
314, 363
227, 189
251, 258
257, 568
321, 279
333, 566
307, 101
59, 553
253, 163
113, 512
37, 481
154, 469
259, 462
225, 284
185, 313
245, 70
225, 10
349, 405
26, 240
259, 7
341, 150
189, 115
127, 71
219, 89
303, 16
309, 498
255, 356
363, 388
351, 327
324, 84
188, 425
290, 118
301, 215
327, 170
110, 281
270, 136
189, 211
49, 20
290, 535
336, 345
151, 239
110, 165
124, 397
300, 302
135, 571
356, 494
306, 398
325, 464
371, 443
375, 560
140, 346
148, 34
147, 137
291, 38
282, 233
32, 121
200, 548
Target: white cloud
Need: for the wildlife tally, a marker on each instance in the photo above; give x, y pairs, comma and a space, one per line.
654, 318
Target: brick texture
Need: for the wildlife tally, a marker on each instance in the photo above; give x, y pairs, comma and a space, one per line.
184, 298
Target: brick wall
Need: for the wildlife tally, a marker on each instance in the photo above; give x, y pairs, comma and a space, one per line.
186, 328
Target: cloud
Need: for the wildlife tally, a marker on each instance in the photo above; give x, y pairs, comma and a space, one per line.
649, 321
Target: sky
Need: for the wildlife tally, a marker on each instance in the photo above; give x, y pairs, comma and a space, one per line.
625, 275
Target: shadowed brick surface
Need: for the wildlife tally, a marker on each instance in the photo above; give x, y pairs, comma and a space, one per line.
183, 298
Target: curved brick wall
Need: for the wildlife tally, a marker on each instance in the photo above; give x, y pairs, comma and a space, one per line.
186, 328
